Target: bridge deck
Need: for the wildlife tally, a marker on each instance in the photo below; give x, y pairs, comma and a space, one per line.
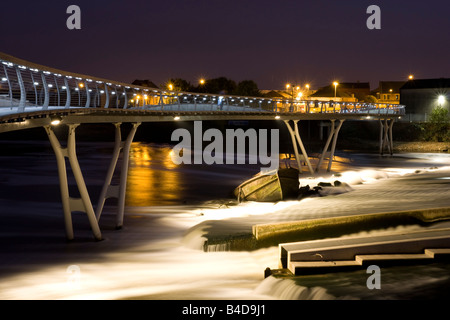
33, 117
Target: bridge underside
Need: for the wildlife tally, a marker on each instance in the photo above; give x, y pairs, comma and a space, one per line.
34, 119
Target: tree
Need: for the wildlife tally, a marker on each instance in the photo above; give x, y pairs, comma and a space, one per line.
144, 83
438, 128
247, 88
219, 85
370, 99
439, 115
178, 84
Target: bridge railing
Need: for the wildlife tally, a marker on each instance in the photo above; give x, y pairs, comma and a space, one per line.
26, 86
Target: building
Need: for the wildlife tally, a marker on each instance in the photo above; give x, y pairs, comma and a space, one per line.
388, 92
421, 96
333, 93
358, 90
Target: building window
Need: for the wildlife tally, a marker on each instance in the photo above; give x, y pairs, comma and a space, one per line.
396, 97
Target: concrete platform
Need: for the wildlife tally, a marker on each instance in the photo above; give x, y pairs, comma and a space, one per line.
320, 256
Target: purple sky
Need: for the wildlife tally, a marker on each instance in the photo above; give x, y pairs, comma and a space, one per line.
271, 42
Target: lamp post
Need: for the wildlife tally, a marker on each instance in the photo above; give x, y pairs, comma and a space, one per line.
335, 84
289, 86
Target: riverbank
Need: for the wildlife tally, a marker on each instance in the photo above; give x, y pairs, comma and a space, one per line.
399, 146
421, 146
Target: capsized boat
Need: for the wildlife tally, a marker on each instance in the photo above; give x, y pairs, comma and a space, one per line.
276, 185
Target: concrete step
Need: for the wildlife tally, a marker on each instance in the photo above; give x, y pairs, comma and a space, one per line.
338, 252
312, 267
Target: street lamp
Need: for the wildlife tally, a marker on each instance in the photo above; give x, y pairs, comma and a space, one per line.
289, 86
202, 81
411, 77
335, 84
441, 100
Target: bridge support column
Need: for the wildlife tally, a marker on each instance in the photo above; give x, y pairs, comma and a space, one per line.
295, 137
333, 135
386, 139
117, 191
70, 204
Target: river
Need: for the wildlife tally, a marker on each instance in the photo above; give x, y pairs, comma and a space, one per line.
149, 257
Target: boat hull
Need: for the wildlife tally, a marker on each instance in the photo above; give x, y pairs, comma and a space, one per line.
278, 185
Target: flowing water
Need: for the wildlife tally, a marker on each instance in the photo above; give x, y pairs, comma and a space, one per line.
151, 257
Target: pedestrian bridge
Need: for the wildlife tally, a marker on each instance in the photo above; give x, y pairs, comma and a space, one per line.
33, 96
29, 92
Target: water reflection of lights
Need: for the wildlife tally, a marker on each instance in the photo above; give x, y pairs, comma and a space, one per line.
147, 180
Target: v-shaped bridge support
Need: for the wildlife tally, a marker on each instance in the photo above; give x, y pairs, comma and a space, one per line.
296, 139
386, 136
84, 204
117, 191
333, 135
70, 204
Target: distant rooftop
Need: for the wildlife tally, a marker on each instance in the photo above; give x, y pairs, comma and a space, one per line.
427, 83
354, 85
385, 86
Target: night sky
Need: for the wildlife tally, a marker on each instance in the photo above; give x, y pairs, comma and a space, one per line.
271, 42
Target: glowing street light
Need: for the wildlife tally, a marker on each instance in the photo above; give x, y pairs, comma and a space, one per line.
202, 81
55, 120
292, 88
335, 84
170, 86
411, 77
441, 100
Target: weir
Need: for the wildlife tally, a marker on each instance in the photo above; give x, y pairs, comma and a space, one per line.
33, 96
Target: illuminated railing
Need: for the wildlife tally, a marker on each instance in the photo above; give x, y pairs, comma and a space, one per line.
25, 86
